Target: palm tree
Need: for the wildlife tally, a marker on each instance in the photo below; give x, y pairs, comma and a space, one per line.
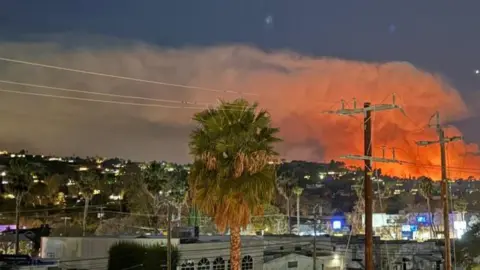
426, 190
233, 175
285, 183
21, 179
298, 192
86, 183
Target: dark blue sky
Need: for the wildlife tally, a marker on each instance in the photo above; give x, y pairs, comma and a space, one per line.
440, 36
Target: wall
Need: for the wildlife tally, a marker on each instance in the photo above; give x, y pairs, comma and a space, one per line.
87, 252
303, 263
92, 252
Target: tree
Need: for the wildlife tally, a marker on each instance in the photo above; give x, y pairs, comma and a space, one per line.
460, 205
20, 181
147, 192
468, 247
426, 190
232, 176
298, 192
176, 183
161, 185
86, 183
46, 192
285, 183
358, 211
272, 220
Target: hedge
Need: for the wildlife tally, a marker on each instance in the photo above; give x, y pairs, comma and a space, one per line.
134, 256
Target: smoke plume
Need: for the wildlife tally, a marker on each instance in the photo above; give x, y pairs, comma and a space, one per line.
295, 89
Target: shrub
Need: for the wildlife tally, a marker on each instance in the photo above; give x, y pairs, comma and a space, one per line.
130, 255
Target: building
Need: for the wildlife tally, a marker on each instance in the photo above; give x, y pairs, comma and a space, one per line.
349, 252
301, 262
209, 252
416, 226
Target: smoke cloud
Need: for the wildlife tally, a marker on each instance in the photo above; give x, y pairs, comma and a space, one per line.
295, 89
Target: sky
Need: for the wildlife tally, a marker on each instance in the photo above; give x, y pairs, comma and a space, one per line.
106, 36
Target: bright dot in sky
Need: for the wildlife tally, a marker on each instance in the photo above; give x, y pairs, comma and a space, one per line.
477, 71
268, 23
392, 28
269, 20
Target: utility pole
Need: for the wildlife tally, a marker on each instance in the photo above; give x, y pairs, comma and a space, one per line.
442, 140
65, 225
315, 236
368, 158
169, 237
315, 219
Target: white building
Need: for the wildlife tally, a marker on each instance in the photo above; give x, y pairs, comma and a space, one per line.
302, 262
208, 253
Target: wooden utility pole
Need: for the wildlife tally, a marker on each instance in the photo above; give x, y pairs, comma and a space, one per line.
442, 140
368, 158
368, 187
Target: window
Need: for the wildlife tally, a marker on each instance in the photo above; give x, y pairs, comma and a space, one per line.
247, 263
203, 264
228, 265
188, 265
293, 264
219, 264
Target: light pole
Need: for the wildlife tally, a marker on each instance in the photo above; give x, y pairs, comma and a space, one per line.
315, 233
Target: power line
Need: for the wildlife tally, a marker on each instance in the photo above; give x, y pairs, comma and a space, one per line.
105, 94
11, 60
228, 107
101, 101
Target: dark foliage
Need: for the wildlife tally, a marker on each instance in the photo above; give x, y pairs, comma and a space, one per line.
128, 255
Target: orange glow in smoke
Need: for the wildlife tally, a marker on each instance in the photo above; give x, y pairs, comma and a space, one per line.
297, 100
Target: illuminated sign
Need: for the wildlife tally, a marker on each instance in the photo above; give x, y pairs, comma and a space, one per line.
421, 219
409, 228
337, 225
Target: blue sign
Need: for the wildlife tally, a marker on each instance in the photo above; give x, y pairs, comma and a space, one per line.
409, 228
422, 219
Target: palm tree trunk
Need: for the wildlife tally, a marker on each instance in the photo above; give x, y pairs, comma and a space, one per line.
288, 216
298, 214
17, 224
235, 248
85, 213
429, 209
